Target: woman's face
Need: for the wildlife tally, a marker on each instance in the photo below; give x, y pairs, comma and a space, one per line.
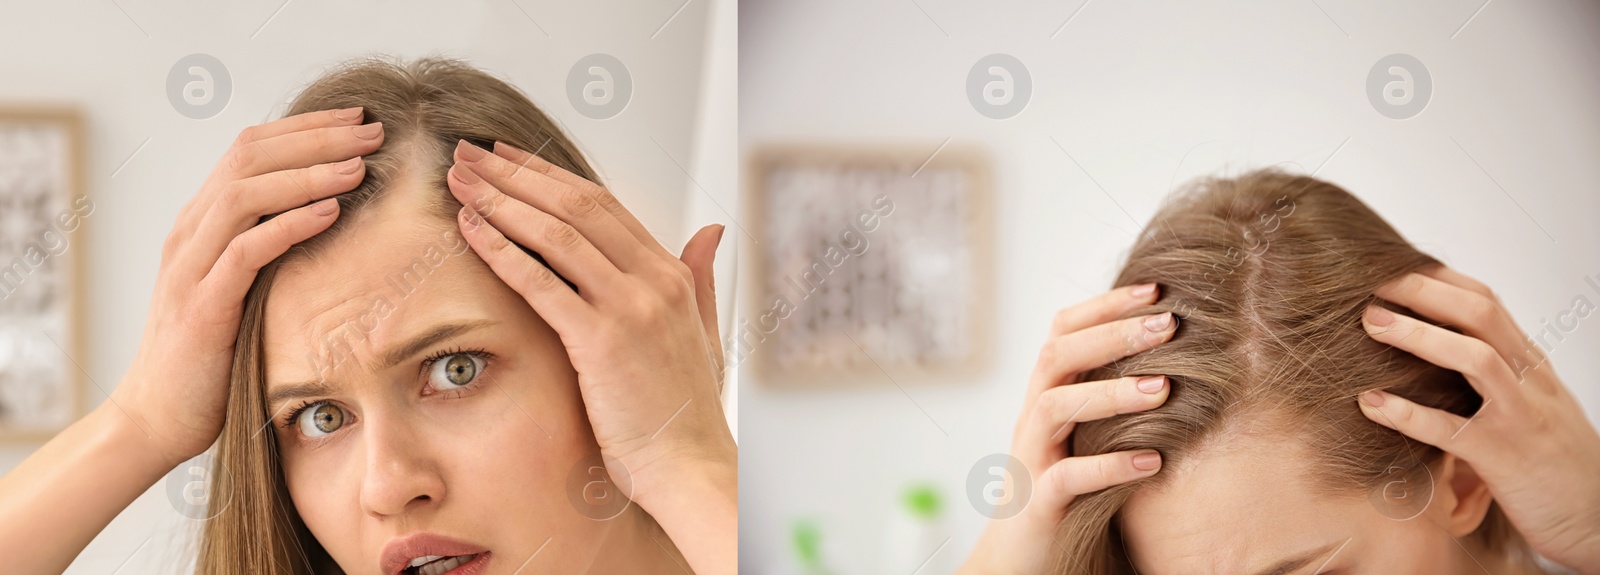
422, 408
1243, 507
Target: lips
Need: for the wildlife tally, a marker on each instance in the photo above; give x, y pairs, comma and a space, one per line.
430, 554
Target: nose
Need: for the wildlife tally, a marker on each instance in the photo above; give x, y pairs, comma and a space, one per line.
401, 475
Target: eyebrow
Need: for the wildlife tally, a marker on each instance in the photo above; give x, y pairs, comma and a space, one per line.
1288, 566
397, 354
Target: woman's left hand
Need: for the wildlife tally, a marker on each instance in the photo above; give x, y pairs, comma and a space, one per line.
1530, 441
640, 328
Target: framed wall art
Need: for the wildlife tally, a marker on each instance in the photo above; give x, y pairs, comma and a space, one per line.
43, 208
869, 261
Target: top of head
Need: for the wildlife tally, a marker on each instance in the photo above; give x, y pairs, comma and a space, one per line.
426, 106
1270, 273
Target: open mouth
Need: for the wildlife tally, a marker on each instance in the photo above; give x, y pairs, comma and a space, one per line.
426, 553
437, 564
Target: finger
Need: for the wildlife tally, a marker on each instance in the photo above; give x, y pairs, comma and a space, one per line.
1103, 308
563, 246
302, 149
538, 164
581, 210
700, 255
1064, 356
1478, 361
543, 289
1435, 427
1074, 476
533, 161
1450, 276
1060, 408
1478, 315
301, 123
242, 204
234, 271
290, 151
197, 206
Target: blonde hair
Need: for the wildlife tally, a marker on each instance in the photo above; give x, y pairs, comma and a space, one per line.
425, 106
1269, 274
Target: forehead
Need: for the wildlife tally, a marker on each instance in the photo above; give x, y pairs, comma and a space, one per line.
1235, 506
395, 271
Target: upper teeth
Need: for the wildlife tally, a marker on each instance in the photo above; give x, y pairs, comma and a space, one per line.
440, 566
420, 560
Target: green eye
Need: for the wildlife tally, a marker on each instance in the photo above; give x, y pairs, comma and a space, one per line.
460, 370
320, 419
454, 371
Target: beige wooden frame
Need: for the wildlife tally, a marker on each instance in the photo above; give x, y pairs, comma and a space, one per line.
70, 120
763, 159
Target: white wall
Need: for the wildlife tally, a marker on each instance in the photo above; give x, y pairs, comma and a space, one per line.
111, 59
713, 194
1142, 95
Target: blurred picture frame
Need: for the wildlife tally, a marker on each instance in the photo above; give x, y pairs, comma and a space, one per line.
908, 229
43, 212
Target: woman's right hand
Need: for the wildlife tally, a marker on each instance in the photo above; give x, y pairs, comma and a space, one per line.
177, 388
1082, 337
1529, 419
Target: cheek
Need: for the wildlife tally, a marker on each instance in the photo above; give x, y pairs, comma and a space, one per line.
1410, 547
510, 448
323, 487
506, 439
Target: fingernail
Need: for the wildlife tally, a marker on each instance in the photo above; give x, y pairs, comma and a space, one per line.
720, 228
518, 151
1373, 398
1142, 291
470, 217
1158, 323
1378, 316
368, 131
326, 207
1152, 384
469, 152
348, 114
465, 174
1147, 461
349, 166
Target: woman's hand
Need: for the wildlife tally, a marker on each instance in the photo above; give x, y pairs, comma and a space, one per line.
177, 388
640, 328
1530, 441
169, 405
1082, 337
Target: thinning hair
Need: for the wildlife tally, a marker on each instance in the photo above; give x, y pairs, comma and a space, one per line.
1269, 273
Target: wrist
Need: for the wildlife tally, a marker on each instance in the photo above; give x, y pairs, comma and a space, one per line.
702, 477
141, 411
696, 503
120, 429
